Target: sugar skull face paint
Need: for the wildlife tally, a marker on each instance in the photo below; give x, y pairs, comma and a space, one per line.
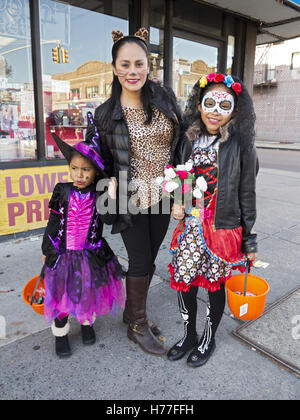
218, 101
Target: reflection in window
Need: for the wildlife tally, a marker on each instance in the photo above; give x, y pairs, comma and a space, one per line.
156, 55
230, 53
191, 60
74, 88
295, 60
92, 92
17, 118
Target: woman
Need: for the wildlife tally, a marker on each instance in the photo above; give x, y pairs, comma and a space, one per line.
141, 132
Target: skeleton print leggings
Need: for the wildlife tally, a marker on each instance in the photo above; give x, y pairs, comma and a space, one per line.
188, 308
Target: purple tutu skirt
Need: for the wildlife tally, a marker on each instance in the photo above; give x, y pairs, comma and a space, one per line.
86, 291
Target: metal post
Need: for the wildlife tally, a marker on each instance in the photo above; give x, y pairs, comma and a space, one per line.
37, 78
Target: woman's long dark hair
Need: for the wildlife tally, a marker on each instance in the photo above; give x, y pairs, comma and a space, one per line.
116, 86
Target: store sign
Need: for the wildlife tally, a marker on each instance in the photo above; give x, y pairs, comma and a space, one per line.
25, 195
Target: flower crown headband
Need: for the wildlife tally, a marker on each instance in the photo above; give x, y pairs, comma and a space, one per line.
142, 33
218, 78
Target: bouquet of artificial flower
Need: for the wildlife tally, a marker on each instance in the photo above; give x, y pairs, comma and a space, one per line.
179, 184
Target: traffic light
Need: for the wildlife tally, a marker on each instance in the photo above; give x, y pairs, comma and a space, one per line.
55, 54
64, 55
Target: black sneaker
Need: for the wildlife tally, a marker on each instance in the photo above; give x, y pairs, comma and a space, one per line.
199, 357
88, 335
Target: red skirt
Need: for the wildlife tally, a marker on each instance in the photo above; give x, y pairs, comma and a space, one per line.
202, 255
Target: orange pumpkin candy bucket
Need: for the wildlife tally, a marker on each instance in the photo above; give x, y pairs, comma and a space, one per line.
246, 295
34, 293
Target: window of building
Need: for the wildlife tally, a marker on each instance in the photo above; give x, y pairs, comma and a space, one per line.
230, 53
92, 92
156, 54
74, 94
156, 47
191, 60
271, 73
188, 89
295, 60
17, 115
81, 80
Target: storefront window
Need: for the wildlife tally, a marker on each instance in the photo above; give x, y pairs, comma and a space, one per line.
156, 47
230, 53
81, 80
17, 117
191, 60
156, 55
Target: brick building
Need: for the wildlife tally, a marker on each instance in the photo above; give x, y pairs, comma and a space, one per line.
276, 96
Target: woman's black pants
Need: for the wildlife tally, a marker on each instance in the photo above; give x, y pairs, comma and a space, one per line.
143, 240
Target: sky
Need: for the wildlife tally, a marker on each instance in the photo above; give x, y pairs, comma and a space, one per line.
278, 54
192, 51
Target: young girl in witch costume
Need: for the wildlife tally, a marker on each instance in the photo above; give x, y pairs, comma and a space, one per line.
83, 277
215, 235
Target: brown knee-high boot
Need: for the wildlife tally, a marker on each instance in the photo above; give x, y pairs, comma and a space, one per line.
138, 328
154, 328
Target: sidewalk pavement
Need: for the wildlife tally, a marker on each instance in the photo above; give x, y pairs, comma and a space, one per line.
117, 369
267, 144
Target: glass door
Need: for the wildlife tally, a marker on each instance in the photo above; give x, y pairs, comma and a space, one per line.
192, 59
17, 117
76, 62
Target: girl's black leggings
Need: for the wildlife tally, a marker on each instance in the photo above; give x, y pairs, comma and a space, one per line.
188, 307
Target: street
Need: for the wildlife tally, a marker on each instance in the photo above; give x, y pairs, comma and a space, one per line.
286, 160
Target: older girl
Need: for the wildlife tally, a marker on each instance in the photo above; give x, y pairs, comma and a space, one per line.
217, 232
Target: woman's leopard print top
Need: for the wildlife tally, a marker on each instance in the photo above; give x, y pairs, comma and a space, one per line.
150, 153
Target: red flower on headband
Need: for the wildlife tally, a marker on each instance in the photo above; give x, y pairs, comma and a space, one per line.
210, 77
236, 87
219, 78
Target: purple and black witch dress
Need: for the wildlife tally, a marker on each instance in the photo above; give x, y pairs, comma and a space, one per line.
83, 277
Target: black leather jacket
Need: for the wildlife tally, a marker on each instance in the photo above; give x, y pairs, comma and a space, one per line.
236, 197
115, 144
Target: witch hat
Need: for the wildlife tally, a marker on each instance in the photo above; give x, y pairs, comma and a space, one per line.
89, 148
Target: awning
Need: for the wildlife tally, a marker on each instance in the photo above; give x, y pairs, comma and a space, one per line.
278, 20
